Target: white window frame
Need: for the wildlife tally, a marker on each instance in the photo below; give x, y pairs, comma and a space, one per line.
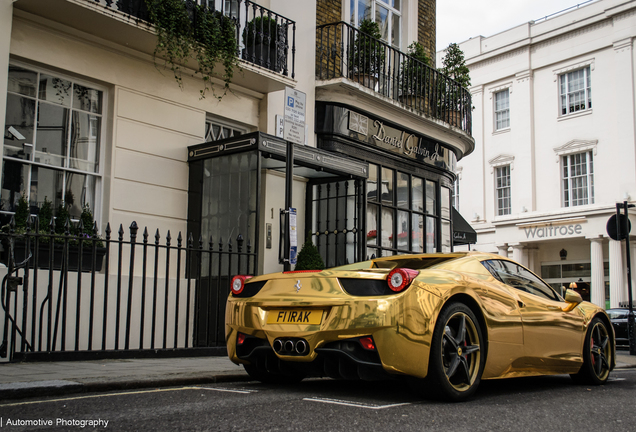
503, 172
99, 175
566, 94
571, 181
502, 123
352, 7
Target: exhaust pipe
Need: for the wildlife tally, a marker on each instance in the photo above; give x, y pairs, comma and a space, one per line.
278, 345
289, 346
301, 347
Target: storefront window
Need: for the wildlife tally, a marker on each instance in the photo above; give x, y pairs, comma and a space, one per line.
397, 220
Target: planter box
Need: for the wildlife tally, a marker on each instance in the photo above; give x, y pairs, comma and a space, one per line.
44, 258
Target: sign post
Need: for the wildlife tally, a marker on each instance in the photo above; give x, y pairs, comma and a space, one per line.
293, 132
618, 228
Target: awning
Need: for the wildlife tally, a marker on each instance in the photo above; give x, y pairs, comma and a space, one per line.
463, 233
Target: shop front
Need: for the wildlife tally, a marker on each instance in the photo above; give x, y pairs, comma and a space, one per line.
569, 251
406, 199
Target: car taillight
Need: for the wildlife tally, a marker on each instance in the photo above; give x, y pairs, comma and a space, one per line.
240, 339
400, 278
238, 283
367, 343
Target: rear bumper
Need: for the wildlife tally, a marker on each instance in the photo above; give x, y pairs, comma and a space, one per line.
344, 359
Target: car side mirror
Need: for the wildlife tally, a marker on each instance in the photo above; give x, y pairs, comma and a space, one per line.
573, 299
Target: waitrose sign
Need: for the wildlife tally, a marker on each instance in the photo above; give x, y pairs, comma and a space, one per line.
550, 231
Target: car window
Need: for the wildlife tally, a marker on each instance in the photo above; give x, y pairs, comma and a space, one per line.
617, 314
518, 277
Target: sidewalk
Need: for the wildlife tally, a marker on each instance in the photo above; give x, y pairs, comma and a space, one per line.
19, 380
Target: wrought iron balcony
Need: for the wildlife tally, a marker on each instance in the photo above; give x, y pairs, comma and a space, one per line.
265, 38
343, 51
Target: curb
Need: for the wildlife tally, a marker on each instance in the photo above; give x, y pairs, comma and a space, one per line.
56, 388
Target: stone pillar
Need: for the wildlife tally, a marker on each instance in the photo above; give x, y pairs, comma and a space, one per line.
617, 283
519, 255
503, 250
597, 285
533, 261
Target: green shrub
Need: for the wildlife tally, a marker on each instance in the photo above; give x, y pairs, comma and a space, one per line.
309, 258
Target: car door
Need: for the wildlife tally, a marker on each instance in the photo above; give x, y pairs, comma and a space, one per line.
552, 338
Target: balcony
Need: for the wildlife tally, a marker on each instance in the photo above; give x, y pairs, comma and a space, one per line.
266, 39
382, 78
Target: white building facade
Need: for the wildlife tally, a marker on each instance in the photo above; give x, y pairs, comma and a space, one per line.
554, 126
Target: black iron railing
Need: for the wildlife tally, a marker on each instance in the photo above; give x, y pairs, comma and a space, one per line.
343, 51
70, 297
265, 37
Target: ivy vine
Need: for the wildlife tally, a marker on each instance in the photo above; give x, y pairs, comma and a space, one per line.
207, 36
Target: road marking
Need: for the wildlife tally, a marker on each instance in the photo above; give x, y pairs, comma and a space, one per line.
124, 393
225, 390
354, 404
615, 379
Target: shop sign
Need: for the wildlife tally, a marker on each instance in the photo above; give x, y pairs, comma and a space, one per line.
379, 133
550, 231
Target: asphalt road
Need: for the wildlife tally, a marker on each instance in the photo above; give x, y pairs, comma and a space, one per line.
528, 404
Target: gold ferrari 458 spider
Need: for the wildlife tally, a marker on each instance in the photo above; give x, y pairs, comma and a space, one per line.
445, 321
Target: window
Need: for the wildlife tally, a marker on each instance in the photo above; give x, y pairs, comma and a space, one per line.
215, 130
502, 189
402, 216
578, 179
52, 141
387, 14
502, 109
575, 91
456, 194
519, 277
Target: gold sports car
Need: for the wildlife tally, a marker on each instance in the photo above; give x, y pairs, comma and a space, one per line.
446, 321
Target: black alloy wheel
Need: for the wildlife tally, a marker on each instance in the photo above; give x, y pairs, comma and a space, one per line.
457, 358
597, 355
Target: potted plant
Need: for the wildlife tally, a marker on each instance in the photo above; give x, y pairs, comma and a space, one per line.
415, 75
264, 39
51, 249
367, 55
309, 258
454, 92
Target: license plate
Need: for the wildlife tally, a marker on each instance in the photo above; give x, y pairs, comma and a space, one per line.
291, 316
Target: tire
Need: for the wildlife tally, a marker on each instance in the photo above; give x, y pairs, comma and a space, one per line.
597, 355
457, 356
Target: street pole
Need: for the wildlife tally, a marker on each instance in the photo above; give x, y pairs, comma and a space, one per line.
289, 174
630, 317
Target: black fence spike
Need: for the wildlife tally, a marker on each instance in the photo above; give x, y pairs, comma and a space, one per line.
211, 244
190, 241
133, 229
29, 223
157, 237
239, 242
52, 226
80, 227
121, 232
168, 238
220, 244
249, 245
108, 231
179, 239
200, 241
145, 235
67, 226
94, 229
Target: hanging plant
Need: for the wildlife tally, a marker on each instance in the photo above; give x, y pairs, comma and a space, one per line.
207, 36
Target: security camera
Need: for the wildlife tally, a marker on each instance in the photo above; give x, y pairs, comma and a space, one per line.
13, 131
